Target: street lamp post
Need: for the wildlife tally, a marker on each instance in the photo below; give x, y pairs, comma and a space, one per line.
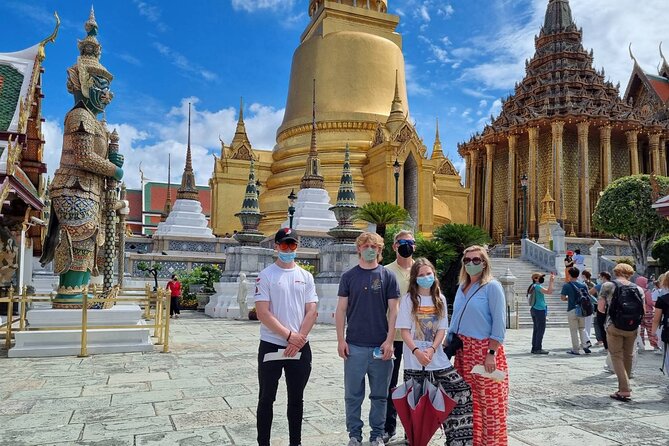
396, 174
523, 185
291, 207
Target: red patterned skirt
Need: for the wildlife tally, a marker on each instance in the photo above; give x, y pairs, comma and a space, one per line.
491, 398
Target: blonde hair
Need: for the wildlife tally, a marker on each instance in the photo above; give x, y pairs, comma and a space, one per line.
624, 270
663, 280
373, 238
486, 274
403, 233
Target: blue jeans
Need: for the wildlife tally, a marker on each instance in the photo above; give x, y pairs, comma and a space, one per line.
539, 322
358, 364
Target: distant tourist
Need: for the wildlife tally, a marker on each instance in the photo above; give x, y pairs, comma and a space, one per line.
570, 293
568, 263
538, 309
479, 327
661, 322
579, 260
586, 279
367, 309
404, 247
286, 304
600, 312
423, 321
175, 293
647, 323
625, 312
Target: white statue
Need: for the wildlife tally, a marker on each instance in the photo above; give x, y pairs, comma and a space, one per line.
241, 296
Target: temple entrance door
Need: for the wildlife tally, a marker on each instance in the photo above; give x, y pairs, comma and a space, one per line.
411, 187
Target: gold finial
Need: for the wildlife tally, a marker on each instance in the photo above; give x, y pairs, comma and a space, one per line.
52, 38
572, 233
632, 55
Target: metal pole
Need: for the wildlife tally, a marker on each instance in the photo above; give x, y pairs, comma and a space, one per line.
291, 212
84, 325
397, 192
525, 211
22, 308
166, 335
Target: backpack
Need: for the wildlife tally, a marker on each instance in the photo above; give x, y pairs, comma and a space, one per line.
531, 295
584, 307
626, 309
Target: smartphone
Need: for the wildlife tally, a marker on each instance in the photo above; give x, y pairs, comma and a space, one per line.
377, 353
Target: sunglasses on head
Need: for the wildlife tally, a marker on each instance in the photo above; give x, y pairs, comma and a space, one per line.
474, 260
406, 242
288, 245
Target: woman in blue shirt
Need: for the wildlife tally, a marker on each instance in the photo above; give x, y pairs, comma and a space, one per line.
479, 321
538, 310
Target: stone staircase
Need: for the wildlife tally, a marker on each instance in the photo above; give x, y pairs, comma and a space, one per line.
557, 310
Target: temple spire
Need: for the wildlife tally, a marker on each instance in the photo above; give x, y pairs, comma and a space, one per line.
437, 152
558, 18
188, 191
240, 138
396, 116
312, 178
346, 193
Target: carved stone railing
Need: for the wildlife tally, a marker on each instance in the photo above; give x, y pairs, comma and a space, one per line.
539, 255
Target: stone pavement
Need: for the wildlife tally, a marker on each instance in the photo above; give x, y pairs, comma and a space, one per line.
204, 393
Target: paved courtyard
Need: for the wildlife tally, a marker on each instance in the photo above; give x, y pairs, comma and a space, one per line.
204, 393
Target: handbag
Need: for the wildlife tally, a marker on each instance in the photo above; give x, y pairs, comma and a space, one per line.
454, 341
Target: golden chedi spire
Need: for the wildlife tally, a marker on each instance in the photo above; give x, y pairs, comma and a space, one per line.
396, 117
312, 178
437, 151
188, 190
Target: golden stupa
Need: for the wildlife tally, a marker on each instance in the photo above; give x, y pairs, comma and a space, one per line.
352, 51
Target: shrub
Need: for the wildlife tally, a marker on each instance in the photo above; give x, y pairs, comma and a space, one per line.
660, 252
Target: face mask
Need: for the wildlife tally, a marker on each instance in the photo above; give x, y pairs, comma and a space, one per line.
425, 281
405, 250
541, 280
287, 257
369, 254
474, 270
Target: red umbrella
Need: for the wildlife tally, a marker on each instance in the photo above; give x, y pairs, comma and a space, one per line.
422, 408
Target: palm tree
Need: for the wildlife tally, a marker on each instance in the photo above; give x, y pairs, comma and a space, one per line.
458, 237
382, 214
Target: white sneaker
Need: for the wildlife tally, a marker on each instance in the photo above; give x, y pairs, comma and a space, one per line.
354, 442
377, 442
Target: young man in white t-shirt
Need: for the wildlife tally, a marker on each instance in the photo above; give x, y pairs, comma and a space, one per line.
286, 304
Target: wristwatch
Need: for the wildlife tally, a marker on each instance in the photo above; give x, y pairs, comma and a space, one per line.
491, 352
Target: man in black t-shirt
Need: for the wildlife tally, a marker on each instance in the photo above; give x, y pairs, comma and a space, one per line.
367, 307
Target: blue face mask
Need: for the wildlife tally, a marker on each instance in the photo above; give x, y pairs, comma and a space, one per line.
369, 254
425, 281
287, 257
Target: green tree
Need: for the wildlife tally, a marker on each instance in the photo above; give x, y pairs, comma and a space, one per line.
660, 252
382, 214
151, 270
624, 211
455, 238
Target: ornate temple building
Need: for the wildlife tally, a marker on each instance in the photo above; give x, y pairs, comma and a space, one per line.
568, 130
353, 52
23, 179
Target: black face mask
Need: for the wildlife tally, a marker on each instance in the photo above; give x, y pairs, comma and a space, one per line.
405, 251
541, 280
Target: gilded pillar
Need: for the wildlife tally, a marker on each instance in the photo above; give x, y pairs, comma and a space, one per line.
663, 157
557, 128
584, 176
487, 206
533, 133
605, 146
633, 146
511, 189
473, 191
654, 145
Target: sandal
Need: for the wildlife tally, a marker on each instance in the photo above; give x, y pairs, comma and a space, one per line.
619, 397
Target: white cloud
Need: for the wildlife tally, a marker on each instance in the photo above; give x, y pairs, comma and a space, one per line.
446, 10
150, 143
478, 94
483, 103
152, 14
413, 82
186, 66
259, 5
424, 13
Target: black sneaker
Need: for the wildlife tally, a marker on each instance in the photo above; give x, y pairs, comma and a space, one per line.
587, 350
542, 352
387, 436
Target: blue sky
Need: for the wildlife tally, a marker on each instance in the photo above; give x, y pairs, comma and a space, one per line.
462, 56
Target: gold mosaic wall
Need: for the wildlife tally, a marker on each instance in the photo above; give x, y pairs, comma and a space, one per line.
500, 186
620, 158
570, 178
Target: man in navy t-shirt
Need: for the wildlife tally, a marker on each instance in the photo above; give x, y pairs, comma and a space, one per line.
367, 307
